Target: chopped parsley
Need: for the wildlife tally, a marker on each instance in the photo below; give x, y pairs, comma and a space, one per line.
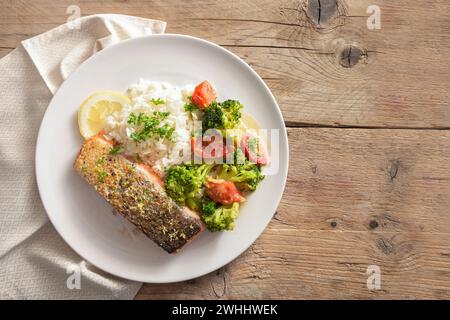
165, 131
161, 114
149, 126
189, 106
157, 101
132, 119
101, 176
101, 161
116, 149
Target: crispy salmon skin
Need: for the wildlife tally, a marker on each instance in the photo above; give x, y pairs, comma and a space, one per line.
135, 192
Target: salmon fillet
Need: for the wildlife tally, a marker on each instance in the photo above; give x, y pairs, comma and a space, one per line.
136, 192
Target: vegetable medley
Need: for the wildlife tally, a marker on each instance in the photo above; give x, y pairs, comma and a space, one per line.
216, 181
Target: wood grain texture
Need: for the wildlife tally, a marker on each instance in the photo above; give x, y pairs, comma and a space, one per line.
369, 175
354, 198
401, 80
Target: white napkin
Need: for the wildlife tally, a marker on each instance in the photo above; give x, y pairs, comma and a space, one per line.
35, 263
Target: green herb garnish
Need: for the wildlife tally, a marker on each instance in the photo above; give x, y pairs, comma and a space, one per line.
101, 176
132, 119
149, 126
189, 106
157, 101
165, 131
101, 161
116, 149
161, 114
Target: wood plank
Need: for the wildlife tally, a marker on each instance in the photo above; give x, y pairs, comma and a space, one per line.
352, 179
400, 80
300, 264
354, 198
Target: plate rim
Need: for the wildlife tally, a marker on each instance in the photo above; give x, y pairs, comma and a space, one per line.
98, 55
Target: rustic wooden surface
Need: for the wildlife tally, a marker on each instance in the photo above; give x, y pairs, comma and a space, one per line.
368, 118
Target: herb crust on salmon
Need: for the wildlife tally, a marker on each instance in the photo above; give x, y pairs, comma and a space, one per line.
135, 191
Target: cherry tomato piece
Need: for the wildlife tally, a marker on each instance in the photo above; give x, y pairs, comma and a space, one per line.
224, 192
204, 94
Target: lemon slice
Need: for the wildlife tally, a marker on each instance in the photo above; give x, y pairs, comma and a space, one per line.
94, 110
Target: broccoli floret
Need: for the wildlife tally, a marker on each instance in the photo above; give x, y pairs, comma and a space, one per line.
183, 183
222, 218
178, 182
232, 113
213, 117
208, 205
246, 176
239, 156
225, 115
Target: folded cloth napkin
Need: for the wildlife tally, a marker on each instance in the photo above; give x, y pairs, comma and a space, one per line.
35, 263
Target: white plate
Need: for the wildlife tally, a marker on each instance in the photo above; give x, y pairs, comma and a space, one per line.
85, 220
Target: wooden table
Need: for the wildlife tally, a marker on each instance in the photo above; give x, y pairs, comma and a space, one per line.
368, 117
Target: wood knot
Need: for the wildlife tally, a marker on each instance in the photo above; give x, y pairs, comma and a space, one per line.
333, 222
393, 170
373, 224
322, 12
219, 283
351, 55
385, 221
385, 245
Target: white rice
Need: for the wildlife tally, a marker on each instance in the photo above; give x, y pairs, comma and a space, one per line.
157, 152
